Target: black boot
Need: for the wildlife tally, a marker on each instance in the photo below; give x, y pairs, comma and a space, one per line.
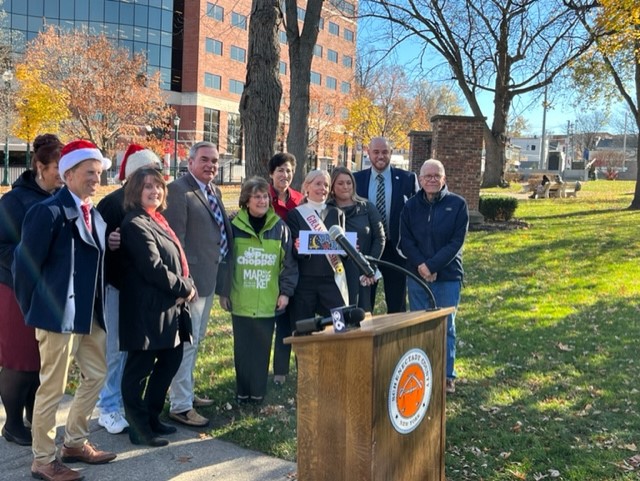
16, 391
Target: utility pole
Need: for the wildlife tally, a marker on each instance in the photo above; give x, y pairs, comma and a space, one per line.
543, 147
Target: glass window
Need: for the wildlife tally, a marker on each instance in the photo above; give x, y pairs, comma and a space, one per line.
329, 110
153, 36
66, 9
213, 46
301, 14
283, 68
96, 10
239, 20
111, 11
51, 10
334, 28
167, 21
348, 35
82, 10
236, 86
215, 12
142, 16
316, 78
211, 126
155, 18
166, 39
282, 35
212, 81
111, 30
347, 61
331, 83
140, 34
155, 3
35, 24
153, 54
332, 56
344, 114
19, 22
126, 32
317, 50
234, 135
126, 13
165, 57
321, 24
345, 87
21, 7
238, 53
36, 8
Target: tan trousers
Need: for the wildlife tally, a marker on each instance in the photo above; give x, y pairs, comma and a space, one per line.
56, 352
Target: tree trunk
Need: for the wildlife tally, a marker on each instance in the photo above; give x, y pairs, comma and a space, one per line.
300, 56
635, 203
260, 101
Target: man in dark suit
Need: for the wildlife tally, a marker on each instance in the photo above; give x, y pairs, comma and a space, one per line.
58, 279
196, 214
388, 188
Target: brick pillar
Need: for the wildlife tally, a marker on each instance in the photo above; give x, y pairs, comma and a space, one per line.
419, 148
457, 143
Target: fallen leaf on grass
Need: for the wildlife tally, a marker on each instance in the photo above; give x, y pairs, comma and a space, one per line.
564, 347
630, 447
505, 454
517, 427
184, 459
630, 464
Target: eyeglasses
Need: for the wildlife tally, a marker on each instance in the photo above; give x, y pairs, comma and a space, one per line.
430, 177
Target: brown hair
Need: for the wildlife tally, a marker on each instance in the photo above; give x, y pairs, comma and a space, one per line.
250, 187
135, 185
46, 150
334, 176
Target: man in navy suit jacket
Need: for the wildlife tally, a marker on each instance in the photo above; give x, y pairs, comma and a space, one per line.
399, 186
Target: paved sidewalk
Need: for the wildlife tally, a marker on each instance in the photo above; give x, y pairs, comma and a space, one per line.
189, 457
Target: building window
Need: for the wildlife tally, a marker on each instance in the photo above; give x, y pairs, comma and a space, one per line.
334, 28
234, 136
212, 81
344, 114
282, 35
332, 56
215, 11
329, 110
239, 20
301, 14
238, 53
211, 126
321, 24
283, 68
316, 78
213, 46
332, 83
348, 35
347, 61
345, 87
346, 7
317, 50
236, 87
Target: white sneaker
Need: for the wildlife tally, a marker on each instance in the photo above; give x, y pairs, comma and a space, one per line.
114, 423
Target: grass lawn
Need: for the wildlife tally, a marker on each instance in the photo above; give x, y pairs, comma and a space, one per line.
548, 385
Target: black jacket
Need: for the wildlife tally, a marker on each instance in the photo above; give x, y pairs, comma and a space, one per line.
152, 282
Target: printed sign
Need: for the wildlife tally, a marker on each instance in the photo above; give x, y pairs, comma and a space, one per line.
319, 242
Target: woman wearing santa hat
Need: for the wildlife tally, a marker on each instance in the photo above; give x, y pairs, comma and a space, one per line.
112, 209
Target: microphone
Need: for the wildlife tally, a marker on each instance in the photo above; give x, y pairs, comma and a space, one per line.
351, 316
337, 234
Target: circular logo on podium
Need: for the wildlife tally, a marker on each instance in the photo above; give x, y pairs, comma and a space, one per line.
410, 391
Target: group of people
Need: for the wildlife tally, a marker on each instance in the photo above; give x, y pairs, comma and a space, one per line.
127, 288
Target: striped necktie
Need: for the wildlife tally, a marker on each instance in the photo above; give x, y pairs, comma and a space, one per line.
217, 215
381, 202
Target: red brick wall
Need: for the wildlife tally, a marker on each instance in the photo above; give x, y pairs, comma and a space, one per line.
457, 142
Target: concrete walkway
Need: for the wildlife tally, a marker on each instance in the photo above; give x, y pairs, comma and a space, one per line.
191, 456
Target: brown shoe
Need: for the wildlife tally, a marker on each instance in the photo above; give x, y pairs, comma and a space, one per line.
86, 454
54, 471
190, 418
200, 402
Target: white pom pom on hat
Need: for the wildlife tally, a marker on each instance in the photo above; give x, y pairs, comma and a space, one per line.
135, 158
78, 151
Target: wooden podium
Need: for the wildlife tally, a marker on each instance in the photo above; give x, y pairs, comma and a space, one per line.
371, 401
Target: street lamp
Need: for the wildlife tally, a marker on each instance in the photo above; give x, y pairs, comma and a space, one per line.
7, 76
176, 124
346, 150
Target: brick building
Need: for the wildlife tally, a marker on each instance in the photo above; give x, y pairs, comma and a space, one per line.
200, 49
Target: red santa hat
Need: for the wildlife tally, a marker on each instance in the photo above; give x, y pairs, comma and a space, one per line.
78, 151
135, 158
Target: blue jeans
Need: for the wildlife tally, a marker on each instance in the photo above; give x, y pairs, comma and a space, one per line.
110, 400
447, 294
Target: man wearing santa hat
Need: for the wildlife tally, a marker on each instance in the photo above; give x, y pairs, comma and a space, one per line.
112, 210
58, 279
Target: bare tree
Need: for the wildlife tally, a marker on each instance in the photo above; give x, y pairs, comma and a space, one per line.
503, 47
301, 43
589, 129
260, 101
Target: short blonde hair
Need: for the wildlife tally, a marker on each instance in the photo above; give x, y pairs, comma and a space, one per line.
311, 176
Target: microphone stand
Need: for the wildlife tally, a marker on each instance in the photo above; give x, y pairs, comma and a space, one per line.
407, 272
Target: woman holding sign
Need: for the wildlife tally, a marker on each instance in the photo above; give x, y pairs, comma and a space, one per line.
323, 283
